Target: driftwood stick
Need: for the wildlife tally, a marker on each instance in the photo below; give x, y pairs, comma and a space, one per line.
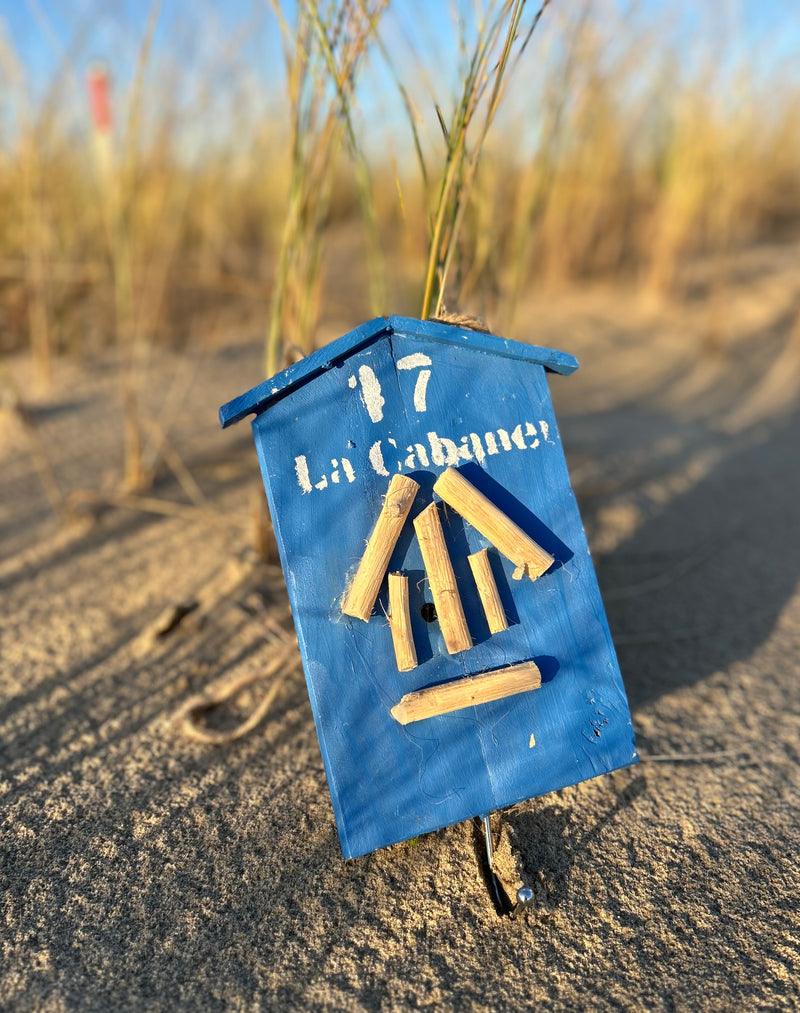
187, 717
530, 558
442, 581
400, 623
360, 598
487, 591
474, 689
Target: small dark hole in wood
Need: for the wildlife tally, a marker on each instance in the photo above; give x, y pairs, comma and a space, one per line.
428, 612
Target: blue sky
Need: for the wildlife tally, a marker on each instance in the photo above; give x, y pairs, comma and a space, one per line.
226, 44
38, 29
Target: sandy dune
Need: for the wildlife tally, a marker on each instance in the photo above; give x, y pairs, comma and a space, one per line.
141, 870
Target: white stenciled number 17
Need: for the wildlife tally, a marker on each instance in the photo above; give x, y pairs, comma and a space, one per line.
372, 395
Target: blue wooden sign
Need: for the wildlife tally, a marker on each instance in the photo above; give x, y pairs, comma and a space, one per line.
417, 741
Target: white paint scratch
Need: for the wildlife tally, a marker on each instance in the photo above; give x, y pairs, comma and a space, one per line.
443, 451
371, 392
301, 470
421, 390
376, 459
477, 448
518, 439
413, 361
530, 429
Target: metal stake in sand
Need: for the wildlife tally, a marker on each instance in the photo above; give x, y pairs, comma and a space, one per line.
442, 581
360, 598
487, 591
474, 689
501, 899
530, 558
400, 623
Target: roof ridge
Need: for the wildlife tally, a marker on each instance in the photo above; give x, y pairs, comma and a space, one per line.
260, 397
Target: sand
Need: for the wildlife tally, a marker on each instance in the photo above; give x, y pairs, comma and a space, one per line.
142, 870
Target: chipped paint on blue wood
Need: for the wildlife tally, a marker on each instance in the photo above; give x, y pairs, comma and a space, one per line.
326, 452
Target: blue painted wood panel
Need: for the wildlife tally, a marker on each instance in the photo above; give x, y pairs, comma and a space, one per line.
327, 452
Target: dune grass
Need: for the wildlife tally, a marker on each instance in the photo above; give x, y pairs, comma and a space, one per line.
324, 51
611, 153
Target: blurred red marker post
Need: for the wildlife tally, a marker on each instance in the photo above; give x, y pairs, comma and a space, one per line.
99, 98
98, 85
115, 201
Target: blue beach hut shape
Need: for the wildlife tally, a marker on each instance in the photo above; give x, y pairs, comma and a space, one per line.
423, 400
